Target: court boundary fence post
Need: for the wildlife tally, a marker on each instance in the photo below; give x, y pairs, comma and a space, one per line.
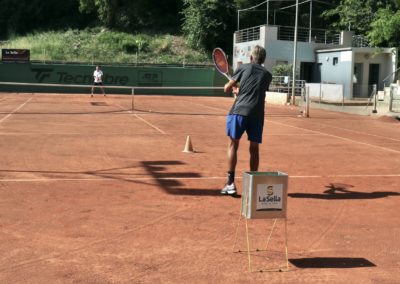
307, 112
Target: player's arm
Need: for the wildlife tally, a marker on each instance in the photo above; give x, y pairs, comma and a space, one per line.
233, 84
229, 86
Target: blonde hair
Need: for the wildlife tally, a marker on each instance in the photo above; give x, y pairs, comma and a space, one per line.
259, 54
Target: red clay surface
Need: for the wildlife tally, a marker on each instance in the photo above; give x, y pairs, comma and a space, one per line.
91, 192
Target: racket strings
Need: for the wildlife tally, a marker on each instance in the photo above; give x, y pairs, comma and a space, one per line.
221, 61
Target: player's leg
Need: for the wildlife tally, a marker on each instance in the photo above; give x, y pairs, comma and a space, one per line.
230, 187
92, 90
254, 156
232, 155
235, 127
254, 131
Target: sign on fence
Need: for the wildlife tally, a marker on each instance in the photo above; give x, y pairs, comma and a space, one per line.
15, 55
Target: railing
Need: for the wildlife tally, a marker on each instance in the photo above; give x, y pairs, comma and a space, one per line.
284, 84
303, 35
248, 34
287, 33
359, 41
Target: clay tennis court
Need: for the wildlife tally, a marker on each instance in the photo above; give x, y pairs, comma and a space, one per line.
93, 192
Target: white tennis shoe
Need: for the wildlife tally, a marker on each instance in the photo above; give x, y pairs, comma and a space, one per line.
229, 189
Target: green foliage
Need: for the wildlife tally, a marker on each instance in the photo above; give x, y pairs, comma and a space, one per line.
352, 14
385, 28
133, 15
282, 70
105, 46
208, 23
24, 16
378, 20
357, 15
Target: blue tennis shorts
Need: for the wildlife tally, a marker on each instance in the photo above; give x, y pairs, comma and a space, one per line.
236, 125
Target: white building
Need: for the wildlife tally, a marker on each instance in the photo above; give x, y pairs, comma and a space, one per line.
321, 57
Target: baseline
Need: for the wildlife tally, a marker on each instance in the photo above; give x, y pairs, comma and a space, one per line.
338, 137
196, 178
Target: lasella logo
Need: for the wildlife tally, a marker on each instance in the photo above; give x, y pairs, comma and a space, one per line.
42, 73
270, 190
270, 197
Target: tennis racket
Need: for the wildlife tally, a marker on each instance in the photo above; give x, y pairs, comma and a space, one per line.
220, 62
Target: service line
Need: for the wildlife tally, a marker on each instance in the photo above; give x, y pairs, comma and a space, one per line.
142, 119
15, 110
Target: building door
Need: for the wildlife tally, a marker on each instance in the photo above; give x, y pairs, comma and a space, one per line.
306, 71
373, 77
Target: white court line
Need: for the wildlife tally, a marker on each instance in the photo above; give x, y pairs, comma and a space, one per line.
293, 134
339, 137
226, 111
354, 131
142, 119
194, 178
151, 125
8, 115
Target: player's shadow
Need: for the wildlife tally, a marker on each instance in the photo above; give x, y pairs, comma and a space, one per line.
341, 191
166, 174
171, 181
331, 262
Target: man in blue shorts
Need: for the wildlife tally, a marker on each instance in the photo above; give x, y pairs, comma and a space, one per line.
247, 112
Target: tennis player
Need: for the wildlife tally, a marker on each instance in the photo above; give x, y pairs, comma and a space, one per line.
98, 80
247, 112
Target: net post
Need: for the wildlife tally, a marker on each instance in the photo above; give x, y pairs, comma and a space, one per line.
133, 98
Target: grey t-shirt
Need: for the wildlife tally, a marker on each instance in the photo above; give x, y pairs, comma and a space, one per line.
254, 82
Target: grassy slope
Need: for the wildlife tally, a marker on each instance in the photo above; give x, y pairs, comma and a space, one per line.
102, 45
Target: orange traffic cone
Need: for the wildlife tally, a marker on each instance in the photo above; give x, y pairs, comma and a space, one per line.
188, 146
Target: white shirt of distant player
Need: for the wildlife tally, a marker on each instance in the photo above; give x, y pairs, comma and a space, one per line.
98, 76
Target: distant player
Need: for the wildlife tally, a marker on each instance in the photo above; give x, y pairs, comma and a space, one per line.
98, 80
247, 112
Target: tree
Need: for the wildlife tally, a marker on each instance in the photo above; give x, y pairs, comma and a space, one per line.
24, 16
357, 15
209, 23
133, 15
385, 28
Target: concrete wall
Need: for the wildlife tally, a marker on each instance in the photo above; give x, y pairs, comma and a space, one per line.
342, 72
367, 57
339, 73
113, 76
277, 50
276, 98
242, 50
325, 92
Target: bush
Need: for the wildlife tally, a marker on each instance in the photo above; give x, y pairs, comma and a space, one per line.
107, 46
282, 70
